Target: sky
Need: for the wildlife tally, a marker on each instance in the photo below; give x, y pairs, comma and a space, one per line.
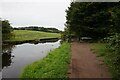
43, 13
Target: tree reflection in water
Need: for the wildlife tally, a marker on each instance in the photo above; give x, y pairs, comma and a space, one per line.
6, 55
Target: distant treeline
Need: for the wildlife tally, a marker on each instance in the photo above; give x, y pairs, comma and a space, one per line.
35, 28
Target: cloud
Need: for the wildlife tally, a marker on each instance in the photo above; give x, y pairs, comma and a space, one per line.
35, 13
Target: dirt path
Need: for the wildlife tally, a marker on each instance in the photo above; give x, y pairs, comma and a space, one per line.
85, 64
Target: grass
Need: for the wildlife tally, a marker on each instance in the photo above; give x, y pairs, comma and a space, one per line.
22, 35
108, 58
99, 48
54, 65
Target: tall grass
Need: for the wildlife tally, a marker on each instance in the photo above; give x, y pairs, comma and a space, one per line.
54, 65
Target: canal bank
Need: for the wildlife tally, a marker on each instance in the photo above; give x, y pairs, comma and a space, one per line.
54, 65
42, 40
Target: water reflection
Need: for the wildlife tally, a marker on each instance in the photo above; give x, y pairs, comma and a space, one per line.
6, 55
6, 60
16, 57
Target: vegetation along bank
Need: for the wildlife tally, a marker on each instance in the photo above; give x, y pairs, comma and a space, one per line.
54, 65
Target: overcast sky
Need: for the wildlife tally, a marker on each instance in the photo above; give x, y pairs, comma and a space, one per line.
46, 13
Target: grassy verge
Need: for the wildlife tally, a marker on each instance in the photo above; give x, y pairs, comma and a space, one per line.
54, 65
99, 48
22, 35
108, 57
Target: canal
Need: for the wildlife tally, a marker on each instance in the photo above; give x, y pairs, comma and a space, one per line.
16, 57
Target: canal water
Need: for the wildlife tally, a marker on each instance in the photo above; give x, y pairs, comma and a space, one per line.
16, 57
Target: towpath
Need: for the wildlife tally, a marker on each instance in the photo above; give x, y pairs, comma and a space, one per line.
85, 64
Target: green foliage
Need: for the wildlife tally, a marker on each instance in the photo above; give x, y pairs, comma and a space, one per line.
96, 20
65, 36
21, 35
54, 65
6, 30
111, 53
114, 48
115, 13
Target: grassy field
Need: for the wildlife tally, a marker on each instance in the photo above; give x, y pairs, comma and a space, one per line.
54, 65
21, 35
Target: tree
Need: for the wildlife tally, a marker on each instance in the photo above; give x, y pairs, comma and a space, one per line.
91, 19
6, 30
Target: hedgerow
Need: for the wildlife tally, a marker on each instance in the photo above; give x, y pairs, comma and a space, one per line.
114, 54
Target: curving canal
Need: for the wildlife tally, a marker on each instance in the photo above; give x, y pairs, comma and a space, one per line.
16, 57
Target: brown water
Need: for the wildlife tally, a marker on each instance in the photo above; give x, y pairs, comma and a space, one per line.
16, 57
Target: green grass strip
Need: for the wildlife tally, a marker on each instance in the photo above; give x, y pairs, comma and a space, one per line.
54, 65
22, 35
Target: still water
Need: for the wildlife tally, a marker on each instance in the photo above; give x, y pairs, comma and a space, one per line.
16, 57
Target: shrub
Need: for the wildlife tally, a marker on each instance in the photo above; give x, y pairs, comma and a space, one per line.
114, 55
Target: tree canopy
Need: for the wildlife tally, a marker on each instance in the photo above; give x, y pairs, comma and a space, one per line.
96, 20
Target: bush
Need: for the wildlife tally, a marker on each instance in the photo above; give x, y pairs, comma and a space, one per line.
6, 30
114, 55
